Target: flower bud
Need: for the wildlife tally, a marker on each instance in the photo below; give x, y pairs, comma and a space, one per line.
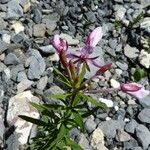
103, 69
59, 44
135, 90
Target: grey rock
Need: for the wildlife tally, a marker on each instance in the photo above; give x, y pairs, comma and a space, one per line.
53, 90
5, 1
17, 38
144, 115
74, 133
109, 127
145, 102
50, 26
90, 16
145, 24
143, 135
131, 52
42, 83
14, 11
3, 24
90, 125
131, 126
122, 136
144, 3
37, 65
136, 148
130, 144
39, 30
113, 43
21, 76
122, 66
3, 46
2, 67
83, 142
119, 1
49, 49
23, 85
11, 59
37, 15
2, 129
14, 71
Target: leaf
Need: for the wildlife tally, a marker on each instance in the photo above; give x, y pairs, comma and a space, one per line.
82, 74
59, 96
33, 120
54, 107
63, 78
139, 73
72, 144
77, 99
39, 107
79, 120
93, 101
62, 132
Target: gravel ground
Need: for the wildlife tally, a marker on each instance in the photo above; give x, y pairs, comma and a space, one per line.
27, 60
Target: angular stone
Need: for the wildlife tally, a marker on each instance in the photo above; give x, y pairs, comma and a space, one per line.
19, 105
109, 127
23, 85
42, 83
14, 11
39, 30
90, 125
144, 115
36, 66
131, 126
143, 135
11, 59
122, 136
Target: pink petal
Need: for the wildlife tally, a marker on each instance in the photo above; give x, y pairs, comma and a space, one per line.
135, 90
94, 37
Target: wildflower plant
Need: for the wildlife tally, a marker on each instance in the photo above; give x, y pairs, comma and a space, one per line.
57, 120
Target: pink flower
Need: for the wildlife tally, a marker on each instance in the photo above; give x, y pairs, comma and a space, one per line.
135, 90
84, 54
59, 44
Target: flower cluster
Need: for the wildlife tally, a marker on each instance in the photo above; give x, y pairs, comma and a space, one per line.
83, 55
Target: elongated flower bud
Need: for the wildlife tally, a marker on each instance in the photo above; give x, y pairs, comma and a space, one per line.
59, 44
103, 69
63, 59
135, 90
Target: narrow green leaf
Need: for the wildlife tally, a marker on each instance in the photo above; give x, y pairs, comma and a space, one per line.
39, 107
82, 74
62, 132
59, 96
79, 120
33, 120
77, 99
63, 78
93, 101
54, 107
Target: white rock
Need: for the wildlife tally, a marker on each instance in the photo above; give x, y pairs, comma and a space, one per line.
6, 38
42, 83
18, 27
69, 39
19, 105
23, 85
109, 103
54, 57
27, 7
108, 118
114, 83
116, 108
144, 59
131, 52
97, 140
